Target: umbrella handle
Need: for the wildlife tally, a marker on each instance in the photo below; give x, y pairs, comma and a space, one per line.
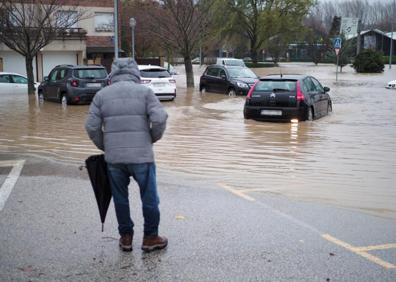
81, 167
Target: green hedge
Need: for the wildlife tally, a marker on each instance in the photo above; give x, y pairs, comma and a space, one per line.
260, 65
386, 59
369, 61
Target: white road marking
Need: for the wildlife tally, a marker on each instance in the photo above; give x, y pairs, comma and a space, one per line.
9, 183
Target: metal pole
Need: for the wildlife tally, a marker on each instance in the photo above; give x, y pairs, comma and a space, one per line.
133, 43
337, 68
115, 29
200, 55
358, 38
391, 42
132, 24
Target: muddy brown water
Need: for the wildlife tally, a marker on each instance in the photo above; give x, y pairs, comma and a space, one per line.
347, 158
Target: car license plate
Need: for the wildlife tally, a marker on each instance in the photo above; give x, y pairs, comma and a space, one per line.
159, 84
94, 84
271, 112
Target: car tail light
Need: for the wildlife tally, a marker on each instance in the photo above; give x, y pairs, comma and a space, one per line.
145, 81
76, 99
74, 83
300, 95
172, 81
249, 95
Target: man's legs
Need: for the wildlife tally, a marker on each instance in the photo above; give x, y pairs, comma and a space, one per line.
119, 181
145, 176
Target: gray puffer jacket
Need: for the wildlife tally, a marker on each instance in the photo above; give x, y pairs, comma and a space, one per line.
126, 118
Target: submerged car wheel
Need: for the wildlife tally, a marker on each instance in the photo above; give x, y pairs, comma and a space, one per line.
41, 96
310, 115
63, 100
329, 107
231, 92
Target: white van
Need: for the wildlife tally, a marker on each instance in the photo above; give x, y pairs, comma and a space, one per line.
230, 62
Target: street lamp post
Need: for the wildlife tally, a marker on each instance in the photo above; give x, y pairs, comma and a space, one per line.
116, 29
391, 41
132, 24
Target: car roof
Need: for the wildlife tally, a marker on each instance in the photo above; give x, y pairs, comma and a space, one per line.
13, 73
147, 67
226, 66
81, 66
284, 76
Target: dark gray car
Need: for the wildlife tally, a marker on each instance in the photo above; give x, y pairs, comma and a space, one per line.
73, 84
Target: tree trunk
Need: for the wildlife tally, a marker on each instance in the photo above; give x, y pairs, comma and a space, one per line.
30, 75
189, 72
253, 50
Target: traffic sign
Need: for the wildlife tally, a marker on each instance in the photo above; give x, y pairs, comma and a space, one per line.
349, 26
337, 43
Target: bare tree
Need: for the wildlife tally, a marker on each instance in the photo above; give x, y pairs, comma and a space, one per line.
181, 25
372, 14
26, 26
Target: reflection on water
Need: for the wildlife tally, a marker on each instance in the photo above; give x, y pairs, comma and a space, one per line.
347, 158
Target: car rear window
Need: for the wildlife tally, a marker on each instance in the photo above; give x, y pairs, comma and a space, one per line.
241, 73
154, 73
90, 73
276, 85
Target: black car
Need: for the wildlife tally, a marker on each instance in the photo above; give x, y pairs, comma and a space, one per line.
73, 84
232, 80
287, 97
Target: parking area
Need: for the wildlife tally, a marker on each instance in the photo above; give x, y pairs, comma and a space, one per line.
240, 200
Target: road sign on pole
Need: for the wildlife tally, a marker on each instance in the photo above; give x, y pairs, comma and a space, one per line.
337, 51
337, 42
349, 26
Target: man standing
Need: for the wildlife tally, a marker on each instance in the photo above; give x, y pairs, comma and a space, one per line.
124, 121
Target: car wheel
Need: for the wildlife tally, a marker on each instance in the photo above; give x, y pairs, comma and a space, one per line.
231, 92
63, 100
310, 114
329, 107
41, 96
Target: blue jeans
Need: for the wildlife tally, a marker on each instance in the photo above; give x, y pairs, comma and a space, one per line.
145, 176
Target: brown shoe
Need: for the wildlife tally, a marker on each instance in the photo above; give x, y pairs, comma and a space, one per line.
126, 242
154, 242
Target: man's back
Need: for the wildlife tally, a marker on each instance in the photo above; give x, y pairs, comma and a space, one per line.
125, 118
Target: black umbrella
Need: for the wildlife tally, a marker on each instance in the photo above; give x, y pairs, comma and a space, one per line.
97, 171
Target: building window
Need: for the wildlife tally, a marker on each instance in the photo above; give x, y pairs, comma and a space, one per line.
66, 19
104, 22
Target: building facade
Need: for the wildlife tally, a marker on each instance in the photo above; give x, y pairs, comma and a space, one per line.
89, 41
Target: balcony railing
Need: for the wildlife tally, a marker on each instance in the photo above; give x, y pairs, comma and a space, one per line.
71, 33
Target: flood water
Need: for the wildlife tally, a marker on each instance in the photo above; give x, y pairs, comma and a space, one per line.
347, 158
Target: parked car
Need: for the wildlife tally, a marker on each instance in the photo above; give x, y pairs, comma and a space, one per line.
170, 68
159, 80
73, 84
391, 84
232, 80
14, 83
287, 97
230, 62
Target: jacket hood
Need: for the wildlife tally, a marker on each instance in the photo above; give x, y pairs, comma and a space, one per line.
124, 69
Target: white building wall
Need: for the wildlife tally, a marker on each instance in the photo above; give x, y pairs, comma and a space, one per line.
14, 62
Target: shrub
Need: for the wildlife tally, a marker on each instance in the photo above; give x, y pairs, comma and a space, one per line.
369, 61
386, 59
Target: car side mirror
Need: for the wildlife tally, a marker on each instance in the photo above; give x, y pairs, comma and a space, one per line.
223, 76
326, 89
45, 78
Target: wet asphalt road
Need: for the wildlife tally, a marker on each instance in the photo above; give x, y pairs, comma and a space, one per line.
50, 231
266, 202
